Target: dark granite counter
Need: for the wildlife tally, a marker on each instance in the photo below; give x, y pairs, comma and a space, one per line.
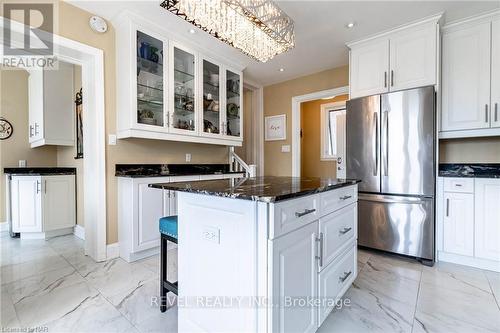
470, 170
165, 170
266, 189
39, 171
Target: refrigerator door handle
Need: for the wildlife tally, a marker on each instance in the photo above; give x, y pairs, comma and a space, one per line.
392, 199
386, 148
375, 143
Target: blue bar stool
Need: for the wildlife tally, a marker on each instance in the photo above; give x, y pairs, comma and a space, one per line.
168, 230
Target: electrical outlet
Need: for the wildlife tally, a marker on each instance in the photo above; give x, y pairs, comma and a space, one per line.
211, 234
22, 163
188, 157
112, 139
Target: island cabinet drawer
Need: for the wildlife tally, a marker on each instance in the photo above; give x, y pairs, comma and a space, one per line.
332, 200
337, 229
292, 214
462, 185
335, 279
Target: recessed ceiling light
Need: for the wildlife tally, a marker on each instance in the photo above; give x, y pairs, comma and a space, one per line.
192, 31
350, 25
282, 69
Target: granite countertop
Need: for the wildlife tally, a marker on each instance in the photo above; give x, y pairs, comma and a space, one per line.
39, 171
470, 170
265, 189
166, 170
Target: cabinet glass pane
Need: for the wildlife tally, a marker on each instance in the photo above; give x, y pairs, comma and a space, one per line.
211, 101
149, 80
184, 86
233, 104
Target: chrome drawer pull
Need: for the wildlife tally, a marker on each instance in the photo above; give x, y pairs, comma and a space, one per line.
346, 197
320, 257
305, 212
345, 231
458, 185
346, 275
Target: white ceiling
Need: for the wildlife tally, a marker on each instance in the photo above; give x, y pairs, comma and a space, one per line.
319, 27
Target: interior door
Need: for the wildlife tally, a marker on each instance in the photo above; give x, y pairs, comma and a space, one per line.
363, 142
408, 140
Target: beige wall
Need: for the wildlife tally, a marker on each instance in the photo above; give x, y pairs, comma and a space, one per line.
311, 164
278, 100
470, 150
14, 108
73, 24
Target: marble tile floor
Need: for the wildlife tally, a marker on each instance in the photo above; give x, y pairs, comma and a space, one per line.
53, 284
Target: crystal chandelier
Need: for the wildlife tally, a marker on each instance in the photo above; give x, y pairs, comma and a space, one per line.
259, 28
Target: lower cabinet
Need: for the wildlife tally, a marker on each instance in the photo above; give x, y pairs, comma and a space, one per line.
42, 204
294, 274
469, 222
458, 223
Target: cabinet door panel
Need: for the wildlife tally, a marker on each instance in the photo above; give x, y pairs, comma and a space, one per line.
58, 202
413, 58
26, 204
369, 68
487, 222
233, 125
458, 226
151, 205
35, 101
211, 98
294, 278
495, 74
466, 78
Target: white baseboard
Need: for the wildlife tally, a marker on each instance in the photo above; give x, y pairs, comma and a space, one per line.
112, 251
4, 226
486, 264
79, 232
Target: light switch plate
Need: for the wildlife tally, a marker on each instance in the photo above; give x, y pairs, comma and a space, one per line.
285, 148
22, 163
211, 234
112, 139
188, 157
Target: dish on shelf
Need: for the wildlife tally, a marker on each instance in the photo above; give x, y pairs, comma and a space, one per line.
233, 109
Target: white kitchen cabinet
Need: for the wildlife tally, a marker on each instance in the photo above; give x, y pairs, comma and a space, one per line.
487, 218
162, 82
369, 66
466, 78
495, 73
458, 226
413, 54
26, 198
43, 205
151, 208
403, 58
51, 106
294, 273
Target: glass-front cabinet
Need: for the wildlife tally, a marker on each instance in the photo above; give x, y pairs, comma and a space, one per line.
212, 120
183, 104
150, 81
169, 91
234, 96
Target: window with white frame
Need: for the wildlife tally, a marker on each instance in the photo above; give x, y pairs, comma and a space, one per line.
332, 131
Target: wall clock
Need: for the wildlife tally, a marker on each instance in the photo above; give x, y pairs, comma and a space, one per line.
6, 129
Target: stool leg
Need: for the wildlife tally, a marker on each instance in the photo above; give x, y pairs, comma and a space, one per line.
163, 274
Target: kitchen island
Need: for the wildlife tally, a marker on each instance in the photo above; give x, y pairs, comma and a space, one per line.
267, 254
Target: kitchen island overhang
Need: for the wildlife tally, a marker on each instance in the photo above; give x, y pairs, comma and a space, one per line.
279, 251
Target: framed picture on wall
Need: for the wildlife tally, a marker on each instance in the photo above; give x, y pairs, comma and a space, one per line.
275, 128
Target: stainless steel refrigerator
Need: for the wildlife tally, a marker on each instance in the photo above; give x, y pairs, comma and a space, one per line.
390, 146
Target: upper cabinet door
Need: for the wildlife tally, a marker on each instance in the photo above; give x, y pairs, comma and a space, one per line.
150, 82
495, 74
183, 76
369, 66
211, 103
413, 57
233, 126
487, 218
466, 78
